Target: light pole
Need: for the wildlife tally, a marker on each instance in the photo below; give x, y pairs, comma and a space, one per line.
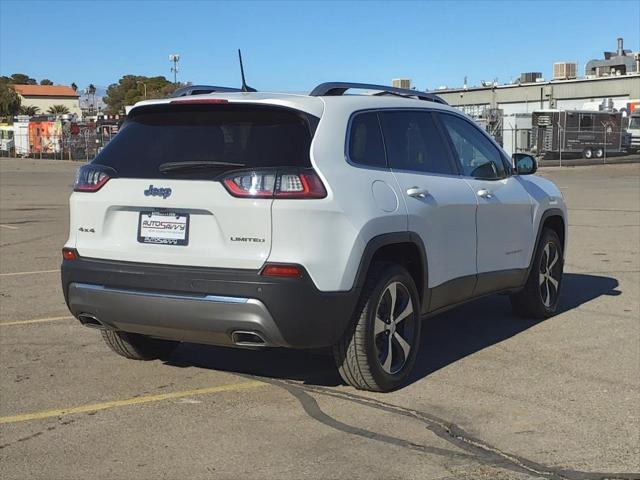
175, 58
145, 88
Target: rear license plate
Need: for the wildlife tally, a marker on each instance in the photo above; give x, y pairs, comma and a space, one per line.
165, 228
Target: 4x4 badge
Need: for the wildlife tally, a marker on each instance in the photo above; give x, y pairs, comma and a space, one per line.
157, 192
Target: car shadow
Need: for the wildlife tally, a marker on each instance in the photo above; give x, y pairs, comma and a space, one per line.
446, 338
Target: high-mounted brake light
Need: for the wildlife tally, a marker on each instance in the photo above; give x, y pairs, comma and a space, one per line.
201, 100
303, 184
291, 271
69, 254
91, 178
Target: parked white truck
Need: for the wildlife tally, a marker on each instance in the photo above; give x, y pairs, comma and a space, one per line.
634, 130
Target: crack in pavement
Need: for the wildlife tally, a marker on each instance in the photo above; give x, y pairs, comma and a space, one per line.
311, 407
453, 434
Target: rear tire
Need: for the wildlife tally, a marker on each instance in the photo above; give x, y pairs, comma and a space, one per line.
599, 153
540, 295
587, 153
138, 347
379, 349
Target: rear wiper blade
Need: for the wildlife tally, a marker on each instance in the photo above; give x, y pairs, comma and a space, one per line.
173, 166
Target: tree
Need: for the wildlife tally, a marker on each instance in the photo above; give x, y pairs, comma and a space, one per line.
30, 110
130, 89
9, 100
58, 110
22, 79
46, 81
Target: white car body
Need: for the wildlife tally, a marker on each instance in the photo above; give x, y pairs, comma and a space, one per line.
471, 230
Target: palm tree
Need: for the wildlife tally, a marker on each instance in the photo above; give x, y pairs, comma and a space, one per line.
58, 110
30, 110
91, 93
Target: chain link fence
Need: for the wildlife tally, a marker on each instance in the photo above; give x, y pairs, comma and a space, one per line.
54, 140
42, 140
553, 142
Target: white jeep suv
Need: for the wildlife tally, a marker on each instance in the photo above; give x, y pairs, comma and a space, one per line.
305, 221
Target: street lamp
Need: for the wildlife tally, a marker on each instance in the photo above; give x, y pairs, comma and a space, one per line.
145, 87
175, 58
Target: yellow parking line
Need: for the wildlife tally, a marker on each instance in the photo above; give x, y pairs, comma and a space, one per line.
93, 407
28, 273
10, 227
36, 320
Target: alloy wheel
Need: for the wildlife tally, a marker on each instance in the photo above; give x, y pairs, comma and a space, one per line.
549, 276
394, 327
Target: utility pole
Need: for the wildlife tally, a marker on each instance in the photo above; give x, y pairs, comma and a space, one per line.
175, 58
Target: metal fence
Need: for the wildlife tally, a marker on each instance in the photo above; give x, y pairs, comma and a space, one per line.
549, 142
81, 144
557, 143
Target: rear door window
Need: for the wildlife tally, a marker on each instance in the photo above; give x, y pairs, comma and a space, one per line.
229, 136
414, 143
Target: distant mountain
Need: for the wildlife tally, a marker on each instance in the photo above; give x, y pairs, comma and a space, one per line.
87, 100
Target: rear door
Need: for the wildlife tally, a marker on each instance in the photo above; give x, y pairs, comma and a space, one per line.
166, 203
441, 207
505, 215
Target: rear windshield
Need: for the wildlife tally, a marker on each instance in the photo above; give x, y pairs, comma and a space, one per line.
229, 136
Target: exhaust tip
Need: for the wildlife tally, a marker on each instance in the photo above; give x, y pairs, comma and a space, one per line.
248, 339
91, 321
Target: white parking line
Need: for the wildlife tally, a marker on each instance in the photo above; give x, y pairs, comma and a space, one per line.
12, 274
10, 227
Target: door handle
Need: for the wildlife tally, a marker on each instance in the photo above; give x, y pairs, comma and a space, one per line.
417, 192
484, 193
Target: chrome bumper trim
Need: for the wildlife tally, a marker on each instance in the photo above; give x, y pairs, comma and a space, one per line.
176, 296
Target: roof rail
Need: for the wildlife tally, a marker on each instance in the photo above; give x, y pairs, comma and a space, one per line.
200, 90
338, 88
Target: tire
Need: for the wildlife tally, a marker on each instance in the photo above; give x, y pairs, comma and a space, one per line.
598, 153
138, 347
370, 355
540, 295
587, 153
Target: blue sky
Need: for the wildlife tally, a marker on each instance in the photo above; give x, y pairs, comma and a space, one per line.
292, 46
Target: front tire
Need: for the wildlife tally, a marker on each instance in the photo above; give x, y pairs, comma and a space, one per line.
540, 295
138, 347
379, 349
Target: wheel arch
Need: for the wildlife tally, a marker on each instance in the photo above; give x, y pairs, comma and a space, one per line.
404, 248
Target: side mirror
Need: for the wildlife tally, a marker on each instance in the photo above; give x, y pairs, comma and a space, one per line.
524, 164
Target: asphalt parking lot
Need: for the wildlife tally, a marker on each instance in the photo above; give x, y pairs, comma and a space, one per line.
493, 397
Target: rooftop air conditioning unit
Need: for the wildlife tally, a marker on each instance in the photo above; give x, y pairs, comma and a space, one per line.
401, 83
564, 70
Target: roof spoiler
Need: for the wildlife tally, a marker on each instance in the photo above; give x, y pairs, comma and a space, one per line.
331, 89
201, 90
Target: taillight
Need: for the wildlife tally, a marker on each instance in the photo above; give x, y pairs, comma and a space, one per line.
303, 183
91, 178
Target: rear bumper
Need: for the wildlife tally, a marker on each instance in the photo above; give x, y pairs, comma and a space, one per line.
204, 305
